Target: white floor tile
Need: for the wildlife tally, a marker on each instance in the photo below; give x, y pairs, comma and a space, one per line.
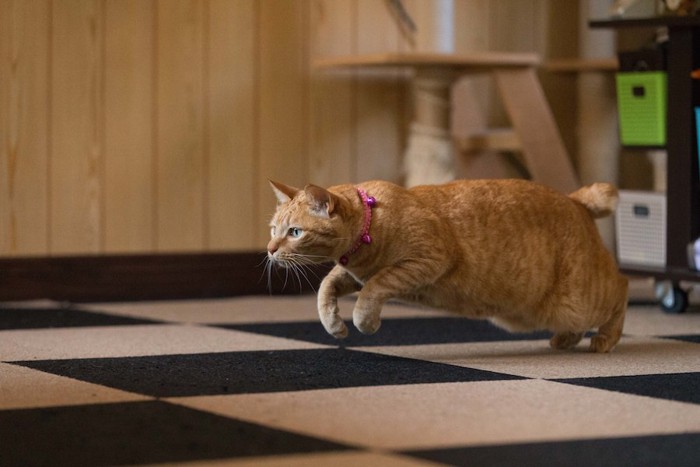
535, 359
22, 388
457, 414
134, 340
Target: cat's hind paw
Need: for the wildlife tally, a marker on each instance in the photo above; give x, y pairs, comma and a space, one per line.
601, 343
565, 340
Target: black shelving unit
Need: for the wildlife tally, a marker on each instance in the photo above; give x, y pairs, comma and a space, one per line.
683, 187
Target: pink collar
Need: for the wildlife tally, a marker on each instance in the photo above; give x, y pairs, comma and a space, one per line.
368, 202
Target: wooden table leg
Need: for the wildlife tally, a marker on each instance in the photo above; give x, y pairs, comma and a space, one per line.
532, 119
429, 156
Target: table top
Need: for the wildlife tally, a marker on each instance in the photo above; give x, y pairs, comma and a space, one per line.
582, 65
485, 60
653, 21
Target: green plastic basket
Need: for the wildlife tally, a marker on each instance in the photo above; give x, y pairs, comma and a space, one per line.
641, 99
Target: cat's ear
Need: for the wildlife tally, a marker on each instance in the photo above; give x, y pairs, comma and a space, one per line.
323, 202
283, 192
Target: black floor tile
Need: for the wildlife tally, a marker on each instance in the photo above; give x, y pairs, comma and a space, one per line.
684, 387
672, 450
257, 372
40, 318
694, 338
404, 331
137, 432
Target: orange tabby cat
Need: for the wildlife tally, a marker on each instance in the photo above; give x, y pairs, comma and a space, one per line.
512, 251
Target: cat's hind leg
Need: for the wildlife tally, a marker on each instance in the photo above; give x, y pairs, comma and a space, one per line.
610, 332
565, 340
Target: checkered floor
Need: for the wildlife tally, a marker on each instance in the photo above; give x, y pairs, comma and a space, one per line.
257, 381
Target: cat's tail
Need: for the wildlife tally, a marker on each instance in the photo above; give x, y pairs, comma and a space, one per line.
600, 199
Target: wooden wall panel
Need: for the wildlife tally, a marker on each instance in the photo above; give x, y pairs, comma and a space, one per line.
128, 115
331, 127
516, 24
380, 99
231, 124
144, 126
561, 88
24, 41
512, 25
471, 31
76, 127
180, 166
282, 102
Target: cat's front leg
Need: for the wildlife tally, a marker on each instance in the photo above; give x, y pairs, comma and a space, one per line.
391, 282
337, 283
365, 316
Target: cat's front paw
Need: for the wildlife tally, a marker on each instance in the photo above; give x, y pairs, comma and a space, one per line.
366, 323
339, 331
334, 325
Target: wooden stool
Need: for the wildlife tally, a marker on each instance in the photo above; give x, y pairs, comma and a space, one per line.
519, 88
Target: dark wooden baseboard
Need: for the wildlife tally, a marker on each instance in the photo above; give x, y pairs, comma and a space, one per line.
147, 277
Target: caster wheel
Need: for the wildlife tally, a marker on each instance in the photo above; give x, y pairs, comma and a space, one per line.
675, 301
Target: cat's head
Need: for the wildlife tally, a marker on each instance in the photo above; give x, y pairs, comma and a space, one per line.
307, 226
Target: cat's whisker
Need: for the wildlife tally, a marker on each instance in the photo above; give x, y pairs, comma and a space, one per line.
293, 267
266, 263
301, 272
271, 266
265, 260
286, 278
314, 272
296, 266
309, 270
310, 259
296, 269
268, 269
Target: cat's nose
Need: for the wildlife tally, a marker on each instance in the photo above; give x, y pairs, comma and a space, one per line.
272, 247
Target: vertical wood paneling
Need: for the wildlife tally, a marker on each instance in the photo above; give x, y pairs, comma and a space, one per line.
128, 152
24, 28
76, 127
231, 122
180, 155
513, 24
558, 20
331, 128
282, 102
153, 125
8, 157
379, 98
471, 31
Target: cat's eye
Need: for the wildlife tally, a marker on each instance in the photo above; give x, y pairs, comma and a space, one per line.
295, 232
